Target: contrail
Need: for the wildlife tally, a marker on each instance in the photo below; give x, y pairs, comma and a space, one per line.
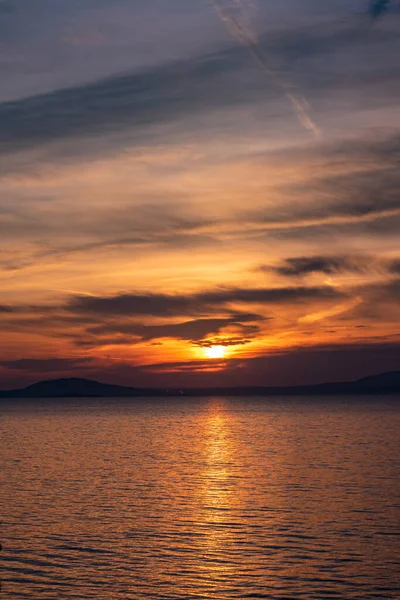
246, 37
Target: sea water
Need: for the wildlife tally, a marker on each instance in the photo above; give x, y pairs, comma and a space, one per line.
285, 498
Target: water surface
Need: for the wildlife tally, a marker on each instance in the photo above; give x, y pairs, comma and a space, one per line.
203, 498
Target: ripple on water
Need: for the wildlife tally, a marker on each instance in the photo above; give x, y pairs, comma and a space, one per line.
214, 499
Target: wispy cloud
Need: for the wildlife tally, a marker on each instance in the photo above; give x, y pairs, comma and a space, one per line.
138, 101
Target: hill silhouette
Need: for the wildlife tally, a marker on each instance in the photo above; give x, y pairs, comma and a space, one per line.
76, 387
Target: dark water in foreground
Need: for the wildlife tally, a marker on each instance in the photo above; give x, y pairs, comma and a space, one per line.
215, 498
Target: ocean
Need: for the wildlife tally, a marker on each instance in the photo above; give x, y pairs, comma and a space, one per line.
213, 498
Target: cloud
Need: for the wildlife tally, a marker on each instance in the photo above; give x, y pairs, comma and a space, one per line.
355, 196
167, 305
154, 216
5, 309
132, 100
329, 265
387, 290
361, 200
47, 365
142, 100
377, 8
188, 330
194, 331
375, 303
394, 266
226, 342
65, 228
351, 189
333, 311
131, 304
269, 295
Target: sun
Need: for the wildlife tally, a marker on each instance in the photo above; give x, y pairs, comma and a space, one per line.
215, 351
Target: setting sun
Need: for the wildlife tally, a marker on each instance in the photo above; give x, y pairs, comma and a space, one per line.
215, 351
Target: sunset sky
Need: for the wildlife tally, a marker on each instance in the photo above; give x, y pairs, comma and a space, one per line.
198, 194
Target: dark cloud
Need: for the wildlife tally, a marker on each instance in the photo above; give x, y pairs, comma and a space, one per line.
5, 309
122, 332
132, 100
87, 341
188, 330
369, 151
324, 39
329, 230
360, 194
364, 154
47, 319
394, 267
382, 291
47, 365
227, 342
191, 366
164, 305
304, 265
128, 304
378, 7
267, 296
380, 304
363, 199
389, 289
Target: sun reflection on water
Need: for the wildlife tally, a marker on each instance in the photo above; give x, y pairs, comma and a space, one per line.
219, 495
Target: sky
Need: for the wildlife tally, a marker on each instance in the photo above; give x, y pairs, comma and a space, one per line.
199, 193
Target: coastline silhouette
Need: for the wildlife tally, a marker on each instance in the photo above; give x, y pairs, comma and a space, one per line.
76, 387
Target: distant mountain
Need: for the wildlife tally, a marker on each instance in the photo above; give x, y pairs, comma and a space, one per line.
385, 383
75, 387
